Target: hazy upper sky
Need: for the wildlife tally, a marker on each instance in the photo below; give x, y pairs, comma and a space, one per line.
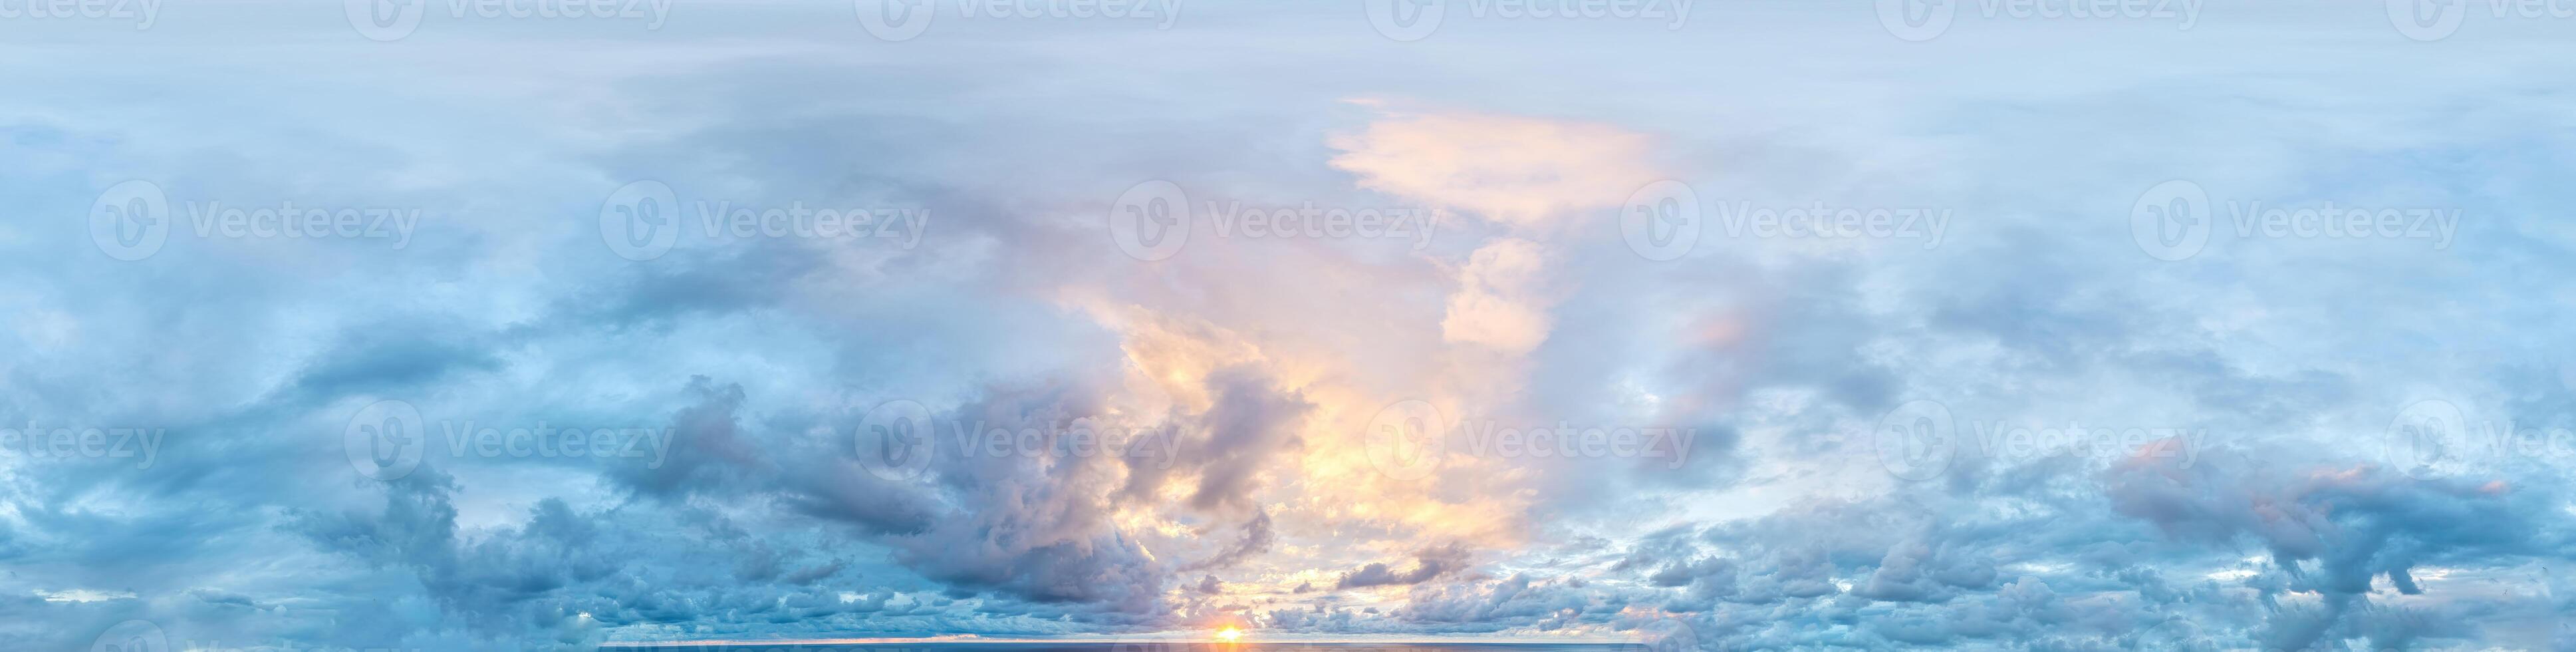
2026, 324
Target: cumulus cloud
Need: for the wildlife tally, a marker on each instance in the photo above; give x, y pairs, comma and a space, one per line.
1525, 172
1428, 563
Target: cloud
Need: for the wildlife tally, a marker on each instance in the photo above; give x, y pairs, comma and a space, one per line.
1519, 171
1428, 563
1247, 370
1498, 303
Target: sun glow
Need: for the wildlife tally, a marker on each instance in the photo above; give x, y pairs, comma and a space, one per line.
1229, 634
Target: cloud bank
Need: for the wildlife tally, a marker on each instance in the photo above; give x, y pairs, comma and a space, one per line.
1913, 363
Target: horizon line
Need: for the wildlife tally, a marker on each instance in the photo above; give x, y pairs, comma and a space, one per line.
972, 640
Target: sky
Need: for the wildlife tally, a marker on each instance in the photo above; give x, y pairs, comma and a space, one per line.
1761, 324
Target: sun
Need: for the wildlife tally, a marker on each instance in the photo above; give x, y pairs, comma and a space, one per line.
1229, 634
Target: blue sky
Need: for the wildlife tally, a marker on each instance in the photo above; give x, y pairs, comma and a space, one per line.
1745, 325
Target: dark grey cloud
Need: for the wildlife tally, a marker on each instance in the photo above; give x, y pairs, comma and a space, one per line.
1428, 563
